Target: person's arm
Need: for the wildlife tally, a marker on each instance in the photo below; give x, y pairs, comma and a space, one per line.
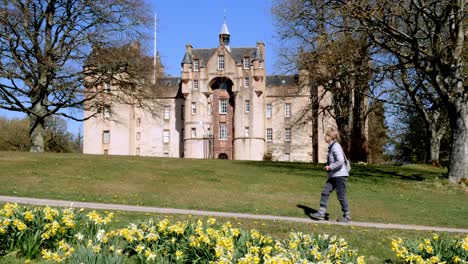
338, 154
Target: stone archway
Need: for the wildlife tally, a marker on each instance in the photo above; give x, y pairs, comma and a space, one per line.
223, 156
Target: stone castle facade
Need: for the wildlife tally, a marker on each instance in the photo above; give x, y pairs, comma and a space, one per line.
222, 106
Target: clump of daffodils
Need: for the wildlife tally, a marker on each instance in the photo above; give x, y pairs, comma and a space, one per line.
431, 250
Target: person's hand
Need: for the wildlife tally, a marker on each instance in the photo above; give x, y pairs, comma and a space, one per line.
327, 168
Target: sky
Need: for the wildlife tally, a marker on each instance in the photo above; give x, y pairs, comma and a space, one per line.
199, 22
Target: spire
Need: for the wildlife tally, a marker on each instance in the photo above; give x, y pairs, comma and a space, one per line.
188, 55
224, 36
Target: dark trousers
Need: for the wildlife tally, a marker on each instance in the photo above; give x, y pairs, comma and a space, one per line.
338, 183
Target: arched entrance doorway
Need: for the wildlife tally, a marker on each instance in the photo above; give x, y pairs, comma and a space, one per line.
223, 156
223, 106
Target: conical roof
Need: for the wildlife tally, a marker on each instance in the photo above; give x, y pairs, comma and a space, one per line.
224, 29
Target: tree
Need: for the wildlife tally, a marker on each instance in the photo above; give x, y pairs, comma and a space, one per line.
337, 60
46, 67
14, 134
428, 36
377, 132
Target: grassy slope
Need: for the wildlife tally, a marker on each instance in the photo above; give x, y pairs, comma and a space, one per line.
407, 195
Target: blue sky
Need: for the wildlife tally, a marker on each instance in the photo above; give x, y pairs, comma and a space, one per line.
198, 23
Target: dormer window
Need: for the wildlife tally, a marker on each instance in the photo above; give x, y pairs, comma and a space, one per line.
221, 62
246, 63
196, 65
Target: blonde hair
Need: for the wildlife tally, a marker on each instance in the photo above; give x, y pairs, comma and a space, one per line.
333, 134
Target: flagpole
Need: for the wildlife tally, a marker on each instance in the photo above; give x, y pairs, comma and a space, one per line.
155, 49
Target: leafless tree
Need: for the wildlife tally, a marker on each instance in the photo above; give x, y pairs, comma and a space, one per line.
428, 36
336, 59
52, 55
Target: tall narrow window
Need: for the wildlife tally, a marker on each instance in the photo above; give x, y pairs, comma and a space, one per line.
105, 137
287, 134
222, 131
138, 121
268, 111
246, 63
194, 132
260, 64
166, 135
167, 112
210, 109
138, 135
107, 87
107, 112
220, 62
195, 84
287, 110
137, 151
182, 112
269, 134
223, 106
194, 108
247, 106
196, 65
247, 132
246, 82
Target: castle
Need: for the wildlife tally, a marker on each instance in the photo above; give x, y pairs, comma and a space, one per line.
223, 106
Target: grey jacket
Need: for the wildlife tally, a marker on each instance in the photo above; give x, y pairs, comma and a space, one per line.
336, 161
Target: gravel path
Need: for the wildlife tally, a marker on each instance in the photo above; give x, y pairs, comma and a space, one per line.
107, 206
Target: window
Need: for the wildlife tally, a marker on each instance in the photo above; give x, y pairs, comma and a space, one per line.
195, 84
247, 132
268, 111
137, 151
287, 110
182, 112
196, 65
260, 64
138, 121
247, 106
194, 132
246, 82
223, 106
166, 155
210, 109
220, 62
105, 137
107, 87
138, 135
269, 134
107, 112
287, 156
246, 63
194, 108
287, 134
167, 112
106, 151
166, 136
222, 131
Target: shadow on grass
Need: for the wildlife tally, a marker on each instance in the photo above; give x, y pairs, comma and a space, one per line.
308, 211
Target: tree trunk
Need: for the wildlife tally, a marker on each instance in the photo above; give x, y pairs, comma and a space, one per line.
36, 134
458, 164
434, 146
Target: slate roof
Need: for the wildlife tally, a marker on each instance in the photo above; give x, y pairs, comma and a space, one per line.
281, 80
168, 87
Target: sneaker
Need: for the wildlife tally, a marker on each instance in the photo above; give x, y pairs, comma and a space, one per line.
345, 219
317, 216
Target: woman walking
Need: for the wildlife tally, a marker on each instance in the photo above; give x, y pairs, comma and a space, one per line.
337, 177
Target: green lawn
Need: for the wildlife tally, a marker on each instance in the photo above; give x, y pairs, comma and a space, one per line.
388, 194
